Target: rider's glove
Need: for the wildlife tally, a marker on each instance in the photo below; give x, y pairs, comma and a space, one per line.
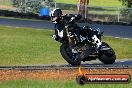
55, 37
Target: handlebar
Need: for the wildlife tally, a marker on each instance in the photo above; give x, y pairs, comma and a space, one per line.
72, 17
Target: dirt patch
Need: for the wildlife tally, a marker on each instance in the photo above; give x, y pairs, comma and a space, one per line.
55, 74
39, 75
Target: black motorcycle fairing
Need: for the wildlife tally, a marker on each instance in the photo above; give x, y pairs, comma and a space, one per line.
87, 51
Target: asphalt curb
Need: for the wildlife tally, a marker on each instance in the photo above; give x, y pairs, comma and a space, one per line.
64, 67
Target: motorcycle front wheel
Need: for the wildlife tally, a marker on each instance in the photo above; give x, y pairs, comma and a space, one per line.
107, 56
70, 57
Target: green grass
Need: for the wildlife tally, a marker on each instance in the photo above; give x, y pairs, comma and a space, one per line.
95, 2
105, 3
26, 46
122, 47
91, 3
100, 3
67, 1
56, 84
8, 3
109, 3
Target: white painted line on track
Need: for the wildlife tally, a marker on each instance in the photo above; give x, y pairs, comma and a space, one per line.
123, 38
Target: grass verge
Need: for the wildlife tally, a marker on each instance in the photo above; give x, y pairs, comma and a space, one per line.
56, 84
7, 3
91, 3
95, 2
26, 46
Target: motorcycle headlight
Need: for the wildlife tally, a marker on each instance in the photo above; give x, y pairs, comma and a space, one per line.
98, 30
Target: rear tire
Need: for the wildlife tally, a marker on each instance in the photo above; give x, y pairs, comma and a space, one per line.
66, 56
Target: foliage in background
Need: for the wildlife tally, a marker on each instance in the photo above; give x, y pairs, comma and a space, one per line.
127, 3
27, 5
34, 5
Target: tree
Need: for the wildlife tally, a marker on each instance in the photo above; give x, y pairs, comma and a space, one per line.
127, 3
32, 6
128, 11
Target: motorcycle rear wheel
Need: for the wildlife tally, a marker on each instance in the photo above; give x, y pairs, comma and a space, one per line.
67, 57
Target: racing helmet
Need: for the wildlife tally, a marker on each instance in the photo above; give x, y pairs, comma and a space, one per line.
56, 14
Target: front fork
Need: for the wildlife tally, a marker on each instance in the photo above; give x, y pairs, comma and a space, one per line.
68, 35
71, 39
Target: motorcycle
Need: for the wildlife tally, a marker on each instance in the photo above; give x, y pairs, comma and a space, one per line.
88, 46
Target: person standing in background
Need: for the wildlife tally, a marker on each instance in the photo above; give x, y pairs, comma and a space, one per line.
82, 8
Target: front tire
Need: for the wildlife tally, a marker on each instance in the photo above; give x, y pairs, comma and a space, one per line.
107, 56
67, 57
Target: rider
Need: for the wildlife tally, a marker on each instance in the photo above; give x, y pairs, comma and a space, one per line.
60, 31
56, 17
58, 20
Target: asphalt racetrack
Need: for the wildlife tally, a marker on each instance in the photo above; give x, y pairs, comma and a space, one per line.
109, 30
